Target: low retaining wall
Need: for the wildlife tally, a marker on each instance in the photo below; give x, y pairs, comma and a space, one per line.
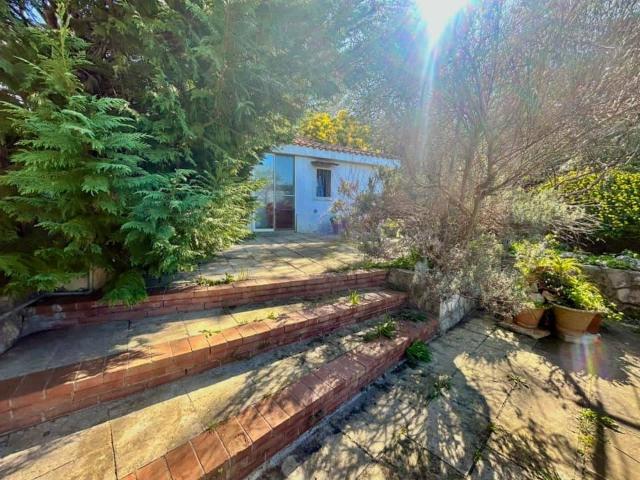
234, 448
449, 311
62, 312
622, 287
48, 394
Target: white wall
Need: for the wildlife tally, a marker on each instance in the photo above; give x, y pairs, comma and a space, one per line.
312, 213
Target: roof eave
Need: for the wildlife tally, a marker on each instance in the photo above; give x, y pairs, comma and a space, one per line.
319, 153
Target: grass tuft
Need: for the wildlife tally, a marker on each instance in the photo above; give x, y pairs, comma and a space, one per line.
354, 298
418, 352
441, 384
208, 282
386, 329
589, 422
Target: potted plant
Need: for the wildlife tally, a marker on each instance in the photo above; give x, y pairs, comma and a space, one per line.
532, 305
577, 303
578, 306
531, 313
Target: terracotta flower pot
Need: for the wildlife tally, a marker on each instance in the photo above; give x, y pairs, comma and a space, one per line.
529, 317
571, 321
594, 326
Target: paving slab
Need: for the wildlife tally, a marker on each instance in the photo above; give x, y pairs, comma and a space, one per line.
493, 404
279, 255
153, 426
492, 466
48, 447
339, 457
115, 438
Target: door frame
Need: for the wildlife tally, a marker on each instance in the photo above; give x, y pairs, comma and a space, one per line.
273, 183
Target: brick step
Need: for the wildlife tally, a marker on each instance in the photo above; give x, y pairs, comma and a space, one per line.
49, 393
241, 443
111, 439
62, 312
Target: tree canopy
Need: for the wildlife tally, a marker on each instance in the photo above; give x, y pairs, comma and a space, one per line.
129, 129
341, 129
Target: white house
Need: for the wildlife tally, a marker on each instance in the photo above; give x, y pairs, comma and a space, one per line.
302, 181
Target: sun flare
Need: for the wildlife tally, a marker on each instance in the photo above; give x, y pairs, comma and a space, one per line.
438, 14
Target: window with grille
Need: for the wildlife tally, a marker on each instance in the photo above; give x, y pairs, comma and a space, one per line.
323, 186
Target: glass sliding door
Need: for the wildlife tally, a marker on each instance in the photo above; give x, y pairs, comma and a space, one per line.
265, 196
276, 199
284, 193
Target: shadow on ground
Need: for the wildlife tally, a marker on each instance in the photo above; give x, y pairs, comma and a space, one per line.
122, 435
491, 405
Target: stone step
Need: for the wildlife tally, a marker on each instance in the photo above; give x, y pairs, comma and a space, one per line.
113, 439
34, 391
241, 443
62, 312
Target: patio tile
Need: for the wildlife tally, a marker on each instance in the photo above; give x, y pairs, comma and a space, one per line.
154, 430
281, 254
55, 446
338, 458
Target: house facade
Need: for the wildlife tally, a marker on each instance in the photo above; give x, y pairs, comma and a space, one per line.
301, 183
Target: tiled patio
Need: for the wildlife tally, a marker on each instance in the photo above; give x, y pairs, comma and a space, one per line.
491, 405
281, 255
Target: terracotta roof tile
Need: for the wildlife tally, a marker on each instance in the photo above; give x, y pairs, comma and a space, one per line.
310, 143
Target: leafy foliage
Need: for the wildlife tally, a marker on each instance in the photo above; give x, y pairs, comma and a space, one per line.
418, 352
128, 288
76, 168
341, 129
614, 198
129, 129
561, 276
385, 329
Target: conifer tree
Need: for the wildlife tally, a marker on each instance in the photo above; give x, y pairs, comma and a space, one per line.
130, 145
73, 173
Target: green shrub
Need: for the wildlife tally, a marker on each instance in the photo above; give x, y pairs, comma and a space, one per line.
418, 352
88, 182
613, 199
411, 315
386, 329
543, 266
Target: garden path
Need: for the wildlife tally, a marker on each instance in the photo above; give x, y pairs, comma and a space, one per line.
280, 255
490, 405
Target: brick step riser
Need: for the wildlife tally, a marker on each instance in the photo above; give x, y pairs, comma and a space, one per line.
117, 378
241, 444
198, 299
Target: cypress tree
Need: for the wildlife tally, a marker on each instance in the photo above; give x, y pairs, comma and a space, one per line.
130, 129
74, 172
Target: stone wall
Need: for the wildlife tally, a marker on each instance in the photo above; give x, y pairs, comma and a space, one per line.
449, 311
620, 286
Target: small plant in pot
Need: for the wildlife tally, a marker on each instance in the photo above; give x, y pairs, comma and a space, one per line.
531, 313
578, 305
532, 305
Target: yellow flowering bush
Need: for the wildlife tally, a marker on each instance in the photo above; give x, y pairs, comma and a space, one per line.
341, 129
614, 200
